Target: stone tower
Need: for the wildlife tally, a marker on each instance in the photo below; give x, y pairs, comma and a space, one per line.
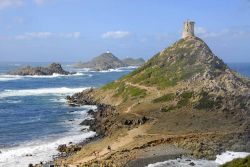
188, 29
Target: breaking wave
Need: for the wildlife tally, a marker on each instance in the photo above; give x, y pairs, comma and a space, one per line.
41, 91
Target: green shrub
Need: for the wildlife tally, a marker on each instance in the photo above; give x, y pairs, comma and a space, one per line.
111, 85
168, 109
184, 99
187, 95
206, 102
164, 98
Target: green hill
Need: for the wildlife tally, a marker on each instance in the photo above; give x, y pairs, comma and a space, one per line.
183, 96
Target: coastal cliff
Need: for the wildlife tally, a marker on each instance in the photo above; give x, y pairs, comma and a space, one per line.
184, 96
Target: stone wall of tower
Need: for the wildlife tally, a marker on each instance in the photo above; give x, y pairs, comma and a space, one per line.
188, 29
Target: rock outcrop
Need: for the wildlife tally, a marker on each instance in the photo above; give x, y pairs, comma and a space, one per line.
53, 68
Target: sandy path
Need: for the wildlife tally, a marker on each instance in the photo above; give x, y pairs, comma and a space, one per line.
152, 90
115, 145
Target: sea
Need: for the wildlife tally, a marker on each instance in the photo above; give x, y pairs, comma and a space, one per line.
34, 116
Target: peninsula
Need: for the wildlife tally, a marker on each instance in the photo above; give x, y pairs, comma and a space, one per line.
184, 100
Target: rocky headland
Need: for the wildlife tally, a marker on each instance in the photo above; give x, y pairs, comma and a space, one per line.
51, 69
184, 98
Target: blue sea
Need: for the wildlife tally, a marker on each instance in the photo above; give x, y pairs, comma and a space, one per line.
34, 118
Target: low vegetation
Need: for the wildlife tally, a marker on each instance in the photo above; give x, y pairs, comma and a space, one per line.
184, 99
206, 102
164, 98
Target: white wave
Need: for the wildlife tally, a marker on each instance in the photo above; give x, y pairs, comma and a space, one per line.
4, 78
44, 150
121, 69
229, 156
40, 150
185, 162
111, 70
16, 77
13, 101
41, 91
129, 67
58, 100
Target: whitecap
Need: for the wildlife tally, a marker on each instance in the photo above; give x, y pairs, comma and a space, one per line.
185, 162
58, 100
41, 91
55, 75
5, 78
43, 150
111, 70
40, 150
13, 101
121, 69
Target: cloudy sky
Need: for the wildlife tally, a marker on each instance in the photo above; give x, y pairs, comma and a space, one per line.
72, 30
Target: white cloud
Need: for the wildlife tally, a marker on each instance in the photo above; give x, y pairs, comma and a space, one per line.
32, 35
46, 35
116, 34
39, 2
75, 35
204, 33
235, 32
10, 3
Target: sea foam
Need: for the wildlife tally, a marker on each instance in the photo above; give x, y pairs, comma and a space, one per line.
17, 77
229, 156
43, 150
41, 91
40, 150
185, 162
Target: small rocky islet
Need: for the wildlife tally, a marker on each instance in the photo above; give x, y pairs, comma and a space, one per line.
54, 68
108, 61
184, 97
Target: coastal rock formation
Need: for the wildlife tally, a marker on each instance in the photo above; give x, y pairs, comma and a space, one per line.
191, 98
133, 62
53, 68
105, 61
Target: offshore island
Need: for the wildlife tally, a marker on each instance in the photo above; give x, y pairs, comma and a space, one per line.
182, 101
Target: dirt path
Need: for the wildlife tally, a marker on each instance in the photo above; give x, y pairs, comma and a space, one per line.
115, 145
152, 90
130, 108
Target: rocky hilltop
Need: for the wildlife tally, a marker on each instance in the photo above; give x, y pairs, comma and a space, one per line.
105, 61
108, 61
133, 62
51, 69
184, 96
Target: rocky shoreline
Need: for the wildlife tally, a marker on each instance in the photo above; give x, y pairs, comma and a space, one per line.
105, 124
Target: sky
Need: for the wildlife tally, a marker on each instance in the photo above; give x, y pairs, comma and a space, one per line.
78, 30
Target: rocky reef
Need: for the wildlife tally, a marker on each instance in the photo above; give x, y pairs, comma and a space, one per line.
51, 69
